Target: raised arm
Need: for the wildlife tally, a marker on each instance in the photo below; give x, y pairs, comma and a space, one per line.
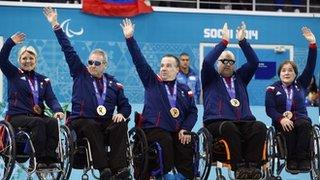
208, 65
305, 77
72, 58
6, 66
248, 69
144, 70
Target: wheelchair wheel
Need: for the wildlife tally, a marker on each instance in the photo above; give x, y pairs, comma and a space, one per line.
205, 145
7, 149
315, 153
139, 153
271, 153
66, 152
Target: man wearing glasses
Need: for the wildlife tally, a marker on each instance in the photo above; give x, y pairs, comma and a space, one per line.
95, 97
226, 106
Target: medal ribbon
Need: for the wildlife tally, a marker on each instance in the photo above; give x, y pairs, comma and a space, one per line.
101, 98
231, 90
289, 93
172, 97
34, 89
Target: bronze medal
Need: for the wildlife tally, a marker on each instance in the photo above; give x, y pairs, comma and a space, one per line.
37, 109
174, 112
288, 114
235, 102
101, 110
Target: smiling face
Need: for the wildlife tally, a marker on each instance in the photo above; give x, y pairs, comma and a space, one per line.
27, 61
169, 68
287, 74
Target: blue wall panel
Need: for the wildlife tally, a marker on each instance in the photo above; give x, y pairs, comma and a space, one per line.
157, 33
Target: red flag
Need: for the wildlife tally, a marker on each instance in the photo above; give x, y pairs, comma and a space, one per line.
119, 8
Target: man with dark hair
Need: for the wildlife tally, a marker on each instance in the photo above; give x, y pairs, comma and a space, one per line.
188, 76
169, 109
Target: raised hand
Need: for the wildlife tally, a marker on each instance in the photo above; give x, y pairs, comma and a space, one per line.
306, 32
51, 15
128, 28
225, 32
241, 31
18, 37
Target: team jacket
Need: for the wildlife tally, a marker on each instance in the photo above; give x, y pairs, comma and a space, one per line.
156, 103
192, 80
20, 97
216, 98
275, 100
84, 101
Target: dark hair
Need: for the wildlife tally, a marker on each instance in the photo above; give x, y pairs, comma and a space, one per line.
184, 54
294, 66
313, 85
172, 56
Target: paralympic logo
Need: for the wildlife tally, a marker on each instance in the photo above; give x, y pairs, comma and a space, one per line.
70, 33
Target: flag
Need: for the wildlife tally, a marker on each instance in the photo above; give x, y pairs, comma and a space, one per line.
119, 8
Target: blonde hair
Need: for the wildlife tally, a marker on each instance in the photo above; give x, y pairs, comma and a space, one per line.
28, 49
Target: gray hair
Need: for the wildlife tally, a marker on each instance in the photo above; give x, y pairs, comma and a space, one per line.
102, 53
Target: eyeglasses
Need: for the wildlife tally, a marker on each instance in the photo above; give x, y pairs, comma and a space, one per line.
96, 63
227, 61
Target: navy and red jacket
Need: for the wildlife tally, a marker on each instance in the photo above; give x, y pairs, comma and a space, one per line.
20, 96
84, 101
276, 98
216, 98
156, 110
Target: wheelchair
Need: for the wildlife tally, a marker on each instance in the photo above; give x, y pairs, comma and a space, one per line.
19, 145
146, 158
7, 150
215, 152
82, 151
277, 153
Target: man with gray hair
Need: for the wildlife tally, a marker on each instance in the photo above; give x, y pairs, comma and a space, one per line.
95, 97
227, 113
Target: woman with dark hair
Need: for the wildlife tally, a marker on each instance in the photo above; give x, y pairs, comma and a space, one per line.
312, 94
285, 106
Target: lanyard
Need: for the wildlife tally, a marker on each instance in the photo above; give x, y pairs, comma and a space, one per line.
231, 90
101, 98
289, 93
34, 89
172, 97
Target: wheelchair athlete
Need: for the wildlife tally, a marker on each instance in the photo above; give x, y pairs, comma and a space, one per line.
27, 93
227, 113
285, 106
169, 108
95, 97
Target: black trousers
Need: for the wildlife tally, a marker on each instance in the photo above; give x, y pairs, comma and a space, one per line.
245, 139
44, 135
174, 153
298, 140
101, 135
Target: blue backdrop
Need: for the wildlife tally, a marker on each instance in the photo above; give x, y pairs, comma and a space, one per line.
158, 33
